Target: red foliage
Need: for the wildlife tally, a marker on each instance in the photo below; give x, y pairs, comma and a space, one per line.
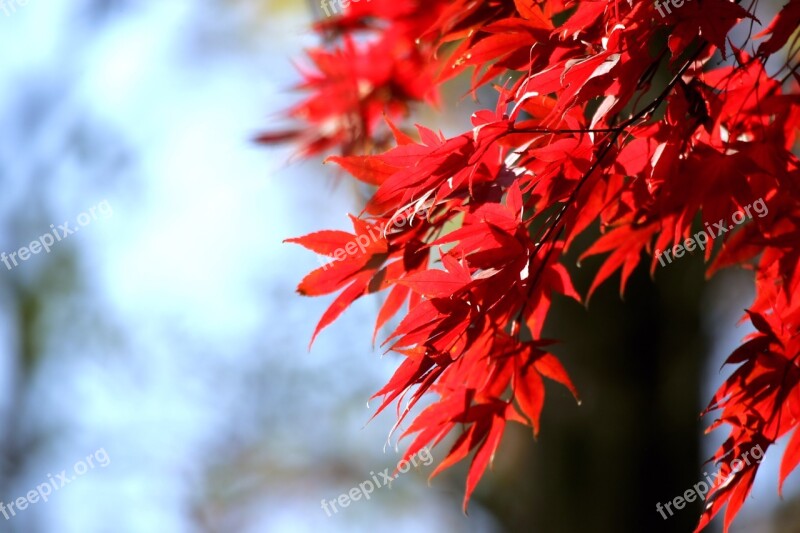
576, 139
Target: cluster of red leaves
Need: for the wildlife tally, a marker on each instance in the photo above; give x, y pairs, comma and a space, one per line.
613, 116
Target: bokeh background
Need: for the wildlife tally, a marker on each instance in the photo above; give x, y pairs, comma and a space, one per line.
169, 334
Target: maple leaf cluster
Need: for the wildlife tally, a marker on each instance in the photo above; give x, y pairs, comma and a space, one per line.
608, 115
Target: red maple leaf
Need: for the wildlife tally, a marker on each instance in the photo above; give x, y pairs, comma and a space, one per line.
585, 132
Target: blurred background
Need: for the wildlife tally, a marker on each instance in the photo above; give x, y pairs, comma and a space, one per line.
167, 333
